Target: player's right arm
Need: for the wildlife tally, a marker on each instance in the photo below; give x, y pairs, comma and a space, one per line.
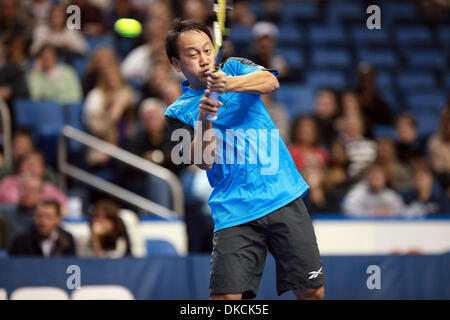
203, 147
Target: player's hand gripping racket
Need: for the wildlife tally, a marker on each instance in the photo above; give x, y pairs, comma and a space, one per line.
221, 28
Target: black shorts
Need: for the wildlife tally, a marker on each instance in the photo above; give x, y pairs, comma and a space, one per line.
239, 253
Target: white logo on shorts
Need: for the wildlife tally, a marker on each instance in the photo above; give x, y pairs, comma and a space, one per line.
315, 274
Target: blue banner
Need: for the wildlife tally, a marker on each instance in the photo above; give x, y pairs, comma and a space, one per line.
168, 278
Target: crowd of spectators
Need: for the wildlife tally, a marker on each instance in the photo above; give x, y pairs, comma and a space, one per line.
349, 169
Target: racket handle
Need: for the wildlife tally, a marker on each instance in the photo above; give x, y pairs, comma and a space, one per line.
213, 96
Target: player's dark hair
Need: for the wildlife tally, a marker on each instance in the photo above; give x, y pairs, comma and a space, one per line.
179, 26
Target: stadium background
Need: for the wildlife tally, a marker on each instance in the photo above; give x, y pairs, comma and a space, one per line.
324, 50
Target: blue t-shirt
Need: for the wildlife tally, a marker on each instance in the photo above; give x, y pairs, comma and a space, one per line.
253, 172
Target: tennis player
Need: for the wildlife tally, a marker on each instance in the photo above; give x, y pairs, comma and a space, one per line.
253, 210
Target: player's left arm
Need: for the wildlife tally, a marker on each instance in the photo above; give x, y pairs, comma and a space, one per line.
259, 82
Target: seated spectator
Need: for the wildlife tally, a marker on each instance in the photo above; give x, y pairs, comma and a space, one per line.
108, 112
45, 238
93, 21
375, 109
263, 47
199, 10
242, 13
398, 175
139, 63
13, 21
279, 115
12, 80
152, 143
304, 148
360, 150
439, 151
108, 236
163, 84
20, 216
336, 171
371, 197
38, 10
33, 164
351, 105
22, 145
67, 41
101, 59
321, 197
409, 144
51, 80
425, 197
326, 111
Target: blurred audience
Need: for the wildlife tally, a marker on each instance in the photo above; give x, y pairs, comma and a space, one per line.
101, 59
371, 197
279, 114
360, 150
108, 112
108, 236
12, 80
321, 196
34, 164
425, 197
439, 151
263, 48
51, 80
45, 237
68, 41
326, 111
336, 171
398, 176
375, 109
19, 217
93, 21
409, 144
138, 64
304, 148
242, 13
22, 144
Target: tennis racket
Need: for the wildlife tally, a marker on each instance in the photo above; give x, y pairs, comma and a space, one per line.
221, 29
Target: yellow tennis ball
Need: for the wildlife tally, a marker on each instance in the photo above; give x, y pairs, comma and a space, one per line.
128, 27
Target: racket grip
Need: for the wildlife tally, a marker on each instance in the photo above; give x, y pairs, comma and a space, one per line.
214, 96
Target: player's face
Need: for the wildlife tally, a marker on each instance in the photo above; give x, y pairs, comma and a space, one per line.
196, 56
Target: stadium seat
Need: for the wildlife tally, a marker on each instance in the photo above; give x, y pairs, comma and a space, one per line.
384, 80
96, 42
330, 79
36, 114
379, 58
392, 11
407, 35
80, 64
294, 57
426, 58
390, 97
426, 123
339, 58
290, 34
241, 35
410, 80
384, 131
363, 36
160, 248
73, 114
326, 34
337, 11
444, 36
426, 102
298, 99
299, 11
447, 81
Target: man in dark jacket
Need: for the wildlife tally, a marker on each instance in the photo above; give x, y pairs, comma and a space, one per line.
45, 237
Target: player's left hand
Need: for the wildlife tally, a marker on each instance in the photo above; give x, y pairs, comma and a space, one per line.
217, 81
